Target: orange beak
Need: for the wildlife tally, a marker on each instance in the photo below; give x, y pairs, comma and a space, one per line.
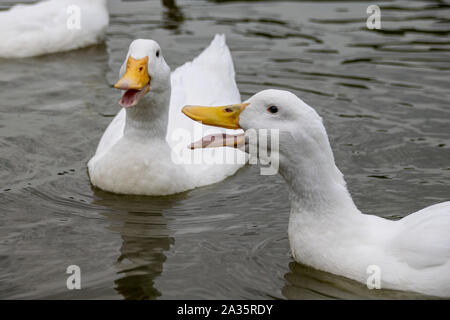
136, 82
225, 116
136, 75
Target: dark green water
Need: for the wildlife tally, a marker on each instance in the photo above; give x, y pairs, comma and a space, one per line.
383, 95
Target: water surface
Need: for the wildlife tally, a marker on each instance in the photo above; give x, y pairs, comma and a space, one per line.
383, 96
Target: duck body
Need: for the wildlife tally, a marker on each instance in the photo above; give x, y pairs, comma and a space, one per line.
136, 159
137, 154
409, 256
328, 232
326, 229
50, 26
145, 172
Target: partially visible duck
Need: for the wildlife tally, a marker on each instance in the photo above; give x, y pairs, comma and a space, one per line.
50, 26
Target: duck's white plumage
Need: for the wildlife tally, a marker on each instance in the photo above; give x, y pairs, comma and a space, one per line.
326, 229
34, 29
147, 161
430, 225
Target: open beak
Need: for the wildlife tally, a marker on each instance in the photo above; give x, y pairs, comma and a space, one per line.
135, 82
225, 117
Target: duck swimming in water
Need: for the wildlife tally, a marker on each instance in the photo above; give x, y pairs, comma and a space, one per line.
137, 154
326, 229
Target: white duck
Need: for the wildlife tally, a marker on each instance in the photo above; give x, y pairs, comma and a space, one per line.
28, 30
326, 229
139, 152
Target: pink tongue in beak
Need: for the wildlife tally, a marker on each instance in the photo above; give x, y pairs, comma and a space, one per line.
219, 140
129, 98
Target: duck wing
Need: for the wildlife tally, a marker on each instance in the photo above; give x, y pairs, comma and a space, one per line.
207, 80
424, 238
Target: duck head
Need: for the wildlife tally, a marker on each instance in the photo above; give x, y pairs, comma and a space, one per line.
144, 72
296, 122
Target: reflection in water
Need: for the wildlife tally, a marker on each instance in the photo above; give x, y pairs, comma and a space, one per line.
144, 230
303, 282
140, 262
173, 16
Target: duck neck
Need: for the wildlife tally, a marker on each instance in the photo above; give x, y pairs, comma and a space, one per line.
326, 229
317, 187
148, 119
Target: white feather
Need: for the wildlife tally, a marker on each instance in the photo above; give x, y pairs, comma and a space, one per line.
41, 28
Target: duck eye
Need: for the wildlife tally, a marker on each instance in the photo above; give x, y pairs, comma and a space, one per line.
228, 110
272, 109
157, 53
